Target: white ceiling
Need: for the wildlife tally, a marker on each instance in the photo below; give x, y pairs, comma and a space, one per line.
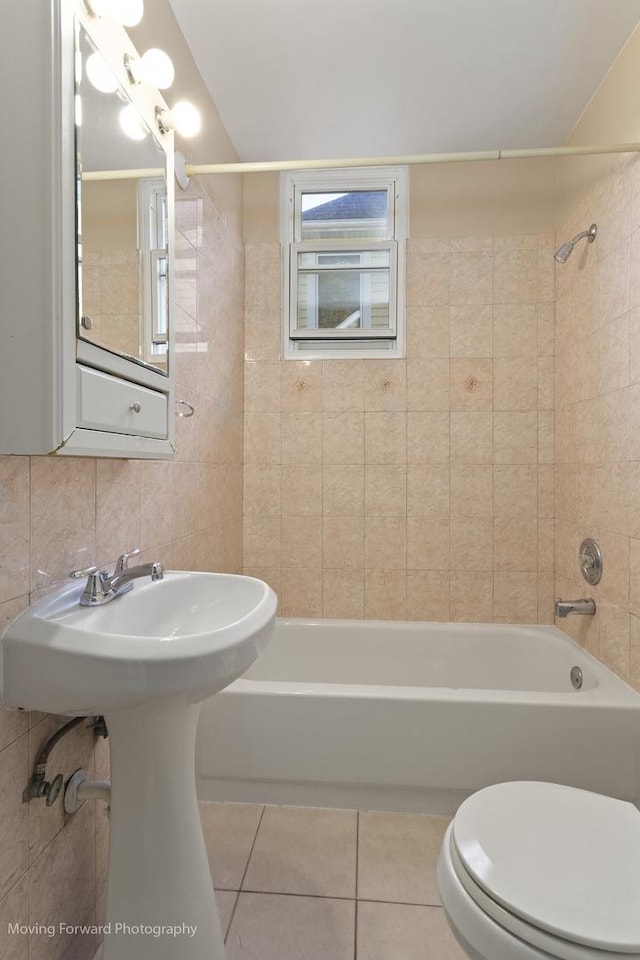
301, 80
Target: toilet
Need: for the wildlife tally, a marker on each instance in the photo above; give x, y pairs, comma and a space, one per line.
532, 871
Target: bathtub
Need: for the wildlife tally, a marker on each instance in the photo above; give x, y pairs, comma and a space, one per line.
415, 717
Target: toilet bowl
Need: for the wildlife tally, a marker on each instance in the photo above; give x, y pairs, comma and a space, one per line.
532, 871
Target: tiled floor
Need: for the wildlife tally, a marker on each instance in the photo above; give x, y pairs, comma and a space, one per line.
299, 883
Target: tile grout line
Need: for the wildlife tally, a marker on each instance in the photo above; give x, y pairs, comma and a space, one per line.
324, 896
304, 896
264, 807
240, 890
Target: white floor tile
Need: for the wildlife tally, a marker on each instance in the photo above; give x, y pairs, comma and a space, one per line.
229, 831
397, 855
304, 850
276, 927
399, 931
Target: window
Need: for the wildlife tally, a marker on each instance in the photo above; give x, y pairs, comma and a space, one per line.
343, 235
152, 244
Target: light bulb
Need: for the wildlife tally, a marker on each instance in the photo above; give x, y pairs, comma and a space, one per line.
126, 12
154, 66
184, 118
130, 123
157, 68
100, 74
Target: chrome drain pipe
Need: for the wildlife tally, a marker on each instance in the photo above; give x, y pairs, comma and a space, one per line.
79, 789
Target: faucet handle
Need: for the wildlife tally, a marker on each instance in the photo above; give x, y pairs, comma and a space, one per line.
96, 587
78, 574
123, 560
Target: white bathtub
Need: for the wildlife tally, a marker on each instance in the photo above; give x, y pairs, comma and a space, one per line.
415, 716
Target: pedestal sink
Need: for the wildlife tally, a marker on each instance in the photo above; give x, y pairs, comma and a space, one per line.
145, 660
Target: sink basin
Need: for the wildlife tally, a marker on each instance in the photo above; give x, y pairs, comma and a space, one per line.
190, 634
145, 660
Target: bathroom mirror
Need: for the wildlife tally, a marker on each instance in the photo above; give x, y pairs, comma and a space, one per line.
122, 218
101, 386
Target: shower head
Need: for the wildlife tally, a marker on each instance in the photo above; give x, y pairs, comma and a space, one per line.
563, 253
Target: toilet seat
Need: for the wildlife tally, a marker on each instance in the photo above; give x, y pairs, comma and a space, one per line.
539, 941
555, 867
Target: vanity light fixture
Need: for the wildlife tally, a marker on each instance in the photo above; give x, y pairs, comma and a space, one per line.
130, 123
127, 12
154, 67
184, 118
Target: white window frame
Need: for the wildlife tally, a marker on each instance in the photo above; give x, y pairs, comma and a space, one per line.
333, 247
152, 244
312, 343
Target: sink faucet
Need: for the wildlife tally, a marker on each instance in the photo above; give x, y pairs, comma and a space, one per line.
102, 587
583, 607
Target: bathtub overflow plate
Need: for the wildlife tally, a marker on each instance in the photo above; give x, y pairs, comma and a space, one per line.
590, 558
576, 677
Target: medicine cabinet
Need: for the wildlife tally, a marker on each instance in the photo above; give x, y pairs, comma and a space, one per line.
86, 358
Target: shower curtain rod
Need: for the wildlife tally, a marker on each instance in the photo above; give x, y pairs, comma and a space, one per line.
265, 166
470, 157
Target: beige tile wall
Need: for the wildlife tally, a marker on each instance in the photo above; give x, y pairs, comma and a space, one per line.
598, 415
111, 297
416, 489
58, 514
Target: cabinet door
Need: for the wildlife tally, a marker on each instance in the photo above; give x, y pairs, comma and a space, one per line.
46, 406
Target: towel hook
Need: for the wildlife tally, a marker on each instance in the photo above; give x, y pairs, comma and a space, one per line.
189, 412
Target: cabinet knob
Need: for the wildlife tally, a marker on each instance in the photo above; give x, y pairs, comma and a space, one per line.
135, 407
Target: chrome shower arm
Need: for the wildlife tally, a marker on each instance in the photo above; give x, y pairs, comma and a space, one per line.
590, 234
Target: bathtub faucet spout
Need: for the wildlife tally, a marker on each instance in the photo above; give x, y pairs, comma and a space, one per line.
583, 607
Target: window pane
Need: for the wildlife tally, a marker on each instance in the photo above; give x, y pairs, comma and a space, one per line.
345, 300
359, 213
338, 300
346, 259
